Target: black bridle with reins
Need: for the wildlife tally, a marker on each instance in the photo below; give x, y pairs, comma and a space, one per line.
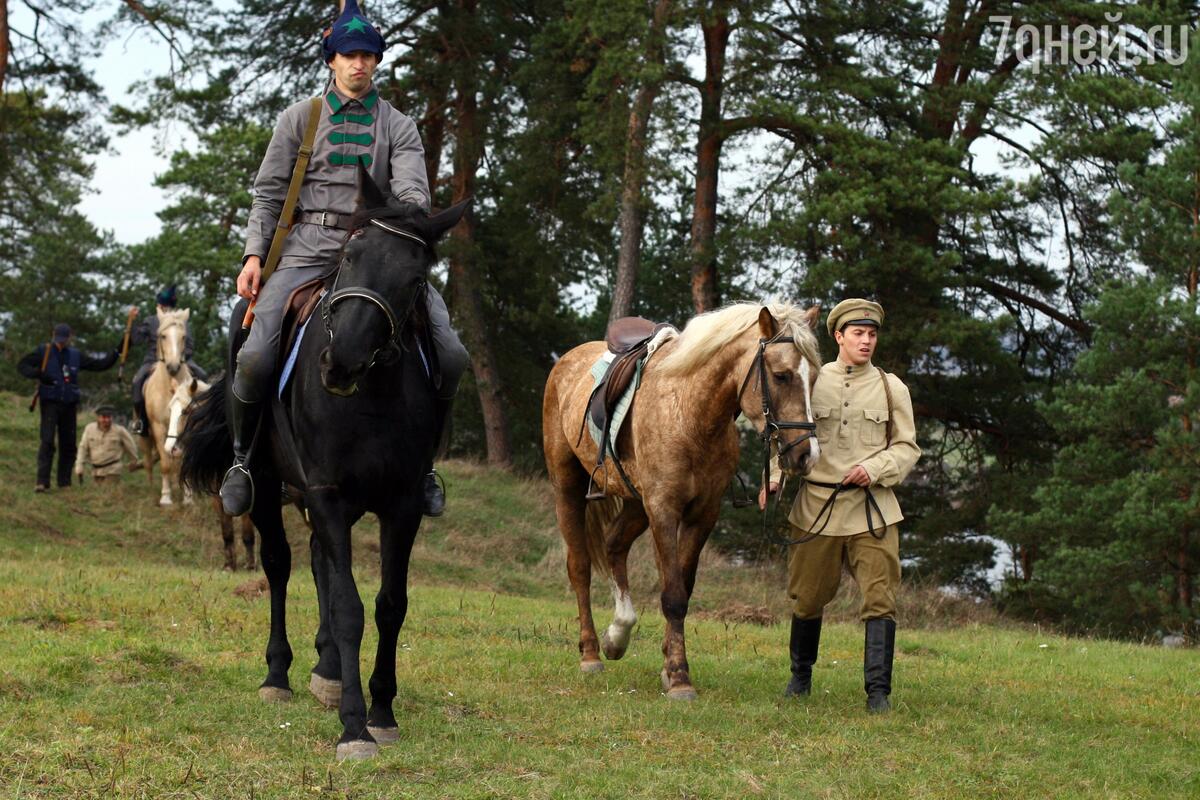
773, 426
395, 342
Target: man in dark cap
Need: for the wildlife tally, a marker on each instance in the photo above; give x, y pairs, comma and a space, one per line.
355, 127
847, 512
103, 447
146, 332
58, 394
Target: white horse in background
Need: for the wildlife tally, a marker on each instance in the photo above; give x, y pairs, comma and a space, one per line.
169, 374
181, 402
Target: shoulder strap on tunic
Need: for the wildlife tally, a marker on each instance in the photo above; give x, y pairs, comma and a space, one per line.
887, 391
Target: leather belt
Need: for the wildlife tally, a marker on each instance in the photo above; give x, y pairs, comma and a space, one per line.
330, 219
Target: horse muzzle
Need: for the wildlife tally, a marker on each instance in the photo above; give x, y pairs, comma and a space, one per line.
338, 380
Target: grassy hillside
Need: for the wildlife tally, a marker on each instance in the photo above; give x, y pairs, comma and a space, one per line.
129, 664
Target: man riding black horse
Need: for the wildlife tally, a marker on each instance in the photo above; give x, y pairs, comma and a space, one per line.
356, 126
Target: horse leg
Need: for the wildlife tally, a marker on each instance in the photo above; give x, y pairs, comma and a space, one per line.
622, 533
569, 505
397, 532
674, 599
164, 466
277, 564
331, 521
325, 683
226, 535
247, 540
679, 558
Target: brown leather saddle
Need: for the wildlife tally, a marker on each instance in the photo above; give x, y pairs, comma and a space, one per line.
628, 338
301, 304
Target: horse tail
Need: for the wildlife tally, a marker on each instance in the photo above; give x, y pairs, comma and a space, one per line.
206, 440
597, 514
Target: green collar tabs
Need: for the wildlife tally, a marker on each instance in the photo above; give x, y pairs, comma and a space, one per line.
336, 104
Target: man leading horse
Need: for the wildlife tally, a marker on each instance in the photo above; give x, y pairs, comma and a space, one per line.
356, 126
846, 511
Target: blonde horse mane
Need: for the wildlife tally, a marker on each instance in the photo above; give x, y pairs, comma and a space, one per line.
708, 333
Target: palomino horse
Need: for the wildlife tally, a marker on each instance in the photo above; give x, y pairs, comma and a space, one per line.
169, 373
354, 432
679, 449
181, 403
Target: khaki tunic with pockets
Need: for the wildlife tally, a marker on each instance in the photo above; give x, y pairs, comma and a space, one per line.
851, 411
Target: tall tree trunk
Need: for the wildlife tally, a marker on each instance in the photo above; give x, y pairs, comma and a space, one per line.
4, 46
633, 212
714, 25
467, 297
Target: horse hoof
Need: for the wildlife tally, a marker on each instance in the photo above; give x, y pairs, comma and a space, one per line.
685, 693
612, 651
384, 735
274, 694
327, 692
588, 667
680, 692
164, 502
357, 750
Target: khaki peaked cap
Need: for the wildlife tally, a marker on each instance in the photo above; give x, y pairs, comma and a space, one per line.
854, 310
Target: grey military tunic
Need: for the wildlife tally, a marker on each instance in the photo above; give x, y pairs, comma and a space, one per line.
350, 131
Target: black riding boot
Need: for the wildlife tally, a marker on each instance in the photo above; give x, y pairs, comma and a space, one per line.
141, 420
237, 490
806, 635
433, 497
878, 649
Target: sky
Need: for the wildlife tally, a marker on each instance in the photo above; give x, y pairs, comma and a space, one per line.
124, 199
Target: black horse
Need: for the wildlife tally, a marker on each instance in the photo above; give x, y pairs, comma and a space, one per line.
354, 432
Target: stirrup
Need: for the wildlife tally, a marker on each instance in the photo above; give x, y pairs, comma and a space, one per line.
594, 493
239, 467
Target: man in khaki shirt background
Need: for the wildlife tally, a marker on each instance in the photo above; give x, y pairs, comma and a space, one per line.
846, 512
104, 446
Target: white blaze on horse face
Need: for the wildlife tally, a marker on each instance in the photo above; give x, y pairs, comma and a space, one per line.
624, 618
814, 448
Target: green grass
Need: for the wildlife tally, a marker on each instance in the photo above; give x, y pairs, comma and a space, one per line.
129, 668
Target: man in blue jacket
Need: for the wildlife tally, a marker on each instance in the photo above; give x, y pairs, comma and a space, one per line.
58, 395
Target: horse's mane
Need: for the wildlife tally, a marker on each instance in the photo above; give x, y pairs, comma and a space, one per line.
709, 332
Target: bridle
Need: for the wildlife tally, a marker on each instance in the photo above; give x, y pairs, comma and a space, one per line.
394, 343
772, 425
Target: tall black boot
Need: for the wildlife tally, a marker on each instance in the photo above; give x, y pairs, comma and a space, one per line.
141, 421
806, 635
433, 496
237, 490
878, 650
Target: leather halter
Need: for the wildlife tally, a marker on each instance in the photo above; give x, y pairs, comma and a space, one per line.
396, 324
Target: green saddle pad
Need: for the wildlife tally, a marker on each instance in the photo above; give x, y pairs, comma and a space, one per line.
622, 407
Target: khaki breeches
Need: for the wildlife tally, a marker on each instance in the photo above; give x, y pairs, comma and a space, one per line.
815, 569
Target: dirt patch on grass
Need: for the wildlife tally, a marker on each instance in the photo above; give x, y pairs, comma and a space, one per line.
252, 589
741, 613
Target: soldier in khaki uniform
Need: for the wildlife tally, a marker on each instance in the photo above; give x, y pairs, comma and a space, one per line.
104, 446
846, 512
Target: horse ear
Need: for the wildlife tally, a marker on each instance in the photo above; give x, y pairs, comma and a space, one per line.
812, 317
194, 386
443, 221
369, 194
187, 314
767, 323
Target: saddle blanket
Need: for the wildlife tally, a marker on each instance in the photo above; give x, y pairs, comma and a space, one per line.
289, 365
622, 406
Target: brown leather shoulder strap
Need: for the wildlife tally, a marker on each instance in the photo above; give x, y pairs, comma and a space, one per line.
284, 226
887, 390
